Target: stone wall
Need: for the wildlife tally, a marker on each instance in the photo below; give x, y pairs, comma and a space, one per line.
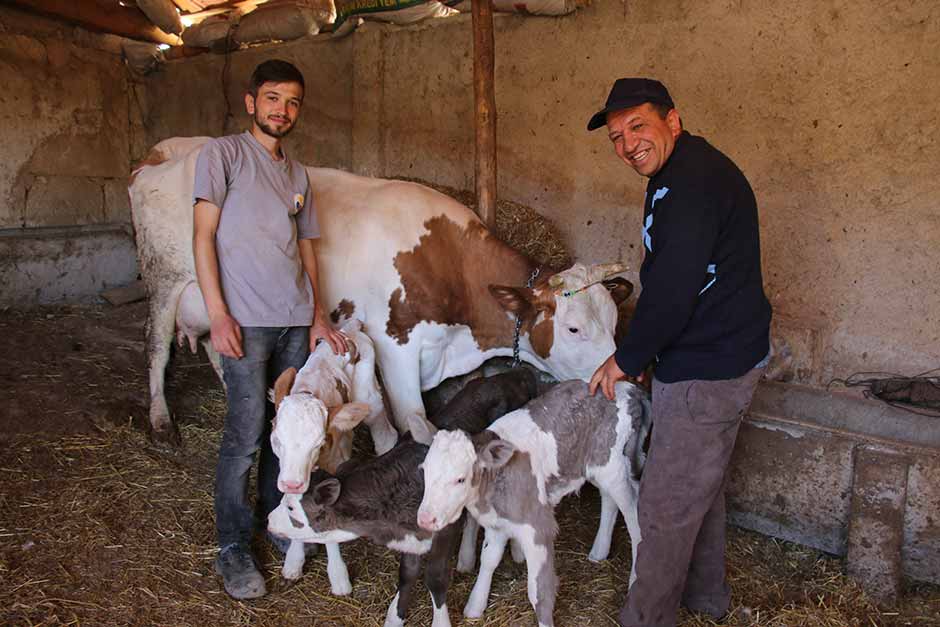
64, 115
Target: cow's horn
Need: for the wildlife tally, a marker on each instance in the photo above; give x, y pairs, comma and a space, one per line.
556, 282
601, 271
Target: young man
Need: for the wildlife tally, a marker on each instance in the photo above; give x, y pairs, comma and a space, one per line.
703, 321
254, 226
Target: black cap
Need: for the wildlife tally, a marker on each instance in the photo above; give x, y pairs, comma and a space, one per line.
630, 92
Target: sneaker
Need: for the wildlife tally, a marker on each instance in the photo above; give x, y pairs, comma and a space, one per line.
240, 576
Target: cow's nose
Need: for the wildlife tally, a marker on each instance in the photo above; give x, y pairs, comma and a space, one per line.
427, 521
291, 487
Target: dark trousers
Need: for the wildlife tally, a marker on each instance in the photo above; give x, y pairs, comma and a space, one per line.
681, 507
268, 352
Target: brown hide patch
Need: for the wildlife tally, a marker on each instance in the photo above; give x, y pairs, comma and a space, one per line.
543, 336
445, 279
343, 310
342, 390
154, 157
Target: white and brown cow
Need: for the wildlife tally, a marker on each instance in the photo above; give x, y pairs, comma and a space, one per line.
511, 476
435, 290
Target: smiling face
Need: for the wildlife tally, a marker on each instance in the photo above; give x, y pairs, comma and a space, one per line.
642, 138
275, 108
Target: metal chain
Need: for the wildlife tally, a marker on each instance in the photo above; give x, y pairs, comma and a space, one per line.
515, 337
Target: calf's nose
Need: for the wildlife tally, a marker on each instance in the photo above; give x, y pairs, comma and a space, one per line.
291, 487
427, 521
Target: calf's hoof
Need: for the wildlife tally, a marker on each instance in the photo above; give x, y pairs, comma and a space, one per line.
292, 573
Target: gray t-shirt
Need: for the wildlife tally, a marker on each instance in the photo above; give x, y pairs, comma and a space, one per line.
266, 207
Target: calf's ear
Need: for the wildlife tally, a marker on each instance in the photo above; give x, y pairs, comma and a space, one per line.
620, 289
346, 417
422, 431
326, 492
283, 385
495, 454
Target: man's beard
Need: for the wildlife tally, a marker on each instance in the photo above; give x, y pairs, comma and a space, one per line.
267, 129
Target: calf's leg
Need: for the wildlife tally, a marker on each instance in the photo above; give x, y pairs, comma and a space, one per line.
605, 529
409, 567
437, 575
542, 582
336, 570
293, 561
494, 543
467, 557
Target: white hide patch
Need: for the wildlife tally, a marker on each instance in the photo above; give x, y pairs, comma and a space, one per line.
410, 544
296, 438
451, 457
520, 430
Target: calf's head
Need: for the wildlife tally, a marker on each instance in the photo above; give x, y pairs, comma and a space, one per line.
452, 471
306, 431
570, 318
311, 518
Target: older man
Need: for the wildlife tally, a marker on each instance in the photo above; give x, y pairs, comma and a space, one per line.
702, 321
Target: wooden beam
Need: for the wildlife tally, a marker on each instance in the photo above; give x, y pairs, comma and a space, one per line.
484, 61
194, 18
117, 20
187, 6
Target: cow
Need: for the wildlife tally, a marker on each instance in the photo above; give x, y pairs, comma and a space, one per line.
378, 499
436, 291
316, 411
511, 476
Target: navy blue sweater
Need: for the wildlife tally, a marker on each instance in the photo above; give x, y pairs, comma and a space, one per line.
702, 313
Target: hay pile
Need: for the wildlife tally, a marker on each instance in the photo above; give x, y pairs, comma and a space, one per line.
519, 226
98, 527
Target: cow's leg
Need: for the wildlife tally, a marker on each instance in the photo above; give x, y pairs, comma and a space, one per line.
467, 558
409, 567
605, 528
336, 570
437, 574
402, 377
294, 560
160, 324
494, 543
542, 581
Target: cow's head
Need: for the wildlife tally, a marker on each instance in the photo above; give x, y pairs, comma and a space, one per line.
304, 429
452, 470
569, 319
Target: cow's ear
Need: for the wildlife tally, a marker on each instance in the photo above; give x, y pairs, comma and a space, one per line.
620, 289
283, 385
327, 491
515, 300
346, 417
496, 454
422, 431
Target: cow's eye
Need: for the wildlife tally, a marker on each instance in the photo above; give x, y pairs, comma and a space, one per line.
573, 329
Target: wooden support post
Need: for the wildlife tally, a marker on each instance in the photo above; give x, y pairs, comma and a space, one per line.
125, 21
484, 61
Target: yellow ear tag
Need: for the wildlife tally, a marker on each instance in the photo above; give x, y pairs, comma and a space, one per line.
298, 202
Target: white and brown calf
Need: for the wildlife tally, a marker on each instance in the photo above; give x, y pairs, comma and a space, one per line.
511, 476
317, 409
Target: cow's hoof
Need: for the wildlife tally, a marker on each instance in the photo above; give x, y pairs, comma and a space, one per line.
166, 437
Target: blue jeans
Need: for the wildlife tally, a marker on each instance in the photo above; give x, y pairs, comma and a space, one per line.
268, 351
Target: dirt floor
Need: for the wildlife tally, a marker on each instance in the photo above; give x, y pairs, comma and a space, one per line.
100, 527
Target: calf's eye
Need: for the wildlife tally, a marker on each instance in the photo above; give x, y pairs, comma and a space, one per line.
461, 480
573, 329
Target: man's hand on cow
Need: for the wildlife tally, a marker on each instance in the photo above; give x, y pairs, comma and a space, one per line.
608, 374
322, 329
226, 335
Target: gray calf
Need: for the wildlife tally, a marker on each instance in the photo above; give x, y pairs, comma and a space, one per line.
511, 476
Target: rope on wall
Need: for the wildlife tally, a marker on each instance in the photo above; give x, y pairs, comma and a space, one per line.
919, 394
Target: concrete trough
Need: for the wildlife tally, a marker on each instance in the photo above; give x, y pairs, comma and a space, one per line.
846, 475
41, 266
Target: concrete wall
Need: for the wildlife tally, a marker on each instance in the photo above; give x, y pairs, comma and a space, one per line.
829, 108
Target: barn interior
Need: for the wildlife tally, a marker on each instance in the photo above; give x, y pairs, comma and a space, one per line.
828, 108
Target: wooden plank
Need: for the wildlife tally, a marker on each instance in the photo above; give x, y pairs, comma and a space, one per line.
484, 61
117, 20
